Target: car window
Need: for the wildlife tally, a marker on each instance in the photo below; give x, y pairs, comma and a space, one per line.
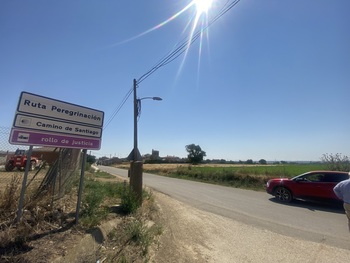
336, 177
315, 177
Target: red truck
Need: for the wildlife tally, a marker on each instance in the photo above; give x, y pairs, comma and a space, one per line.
19, 160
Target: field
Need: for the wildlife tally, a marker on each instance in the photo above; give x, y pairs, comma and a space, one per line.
7, 177
235, 175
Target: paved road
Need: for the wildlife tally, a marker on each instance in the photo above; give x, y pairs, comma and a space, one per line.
319, 223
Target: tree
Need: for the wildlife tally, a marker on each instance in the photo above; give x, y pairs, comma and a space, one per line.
249, 161
195, 153
90, 159
262, 161
336, 162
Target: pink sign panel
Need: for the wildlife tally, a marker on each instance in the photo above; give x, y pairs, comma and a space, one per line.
25, 137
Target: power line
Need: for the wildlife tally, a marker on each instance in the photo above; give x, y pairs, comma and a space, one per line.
188, 42
118, 108
178, 51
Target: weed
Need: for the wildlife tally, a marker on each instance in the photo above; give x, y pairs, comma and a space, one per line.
92, 212
88, 167
97, 198
10, 195
129, 202
122, 259
138, 232
132, 238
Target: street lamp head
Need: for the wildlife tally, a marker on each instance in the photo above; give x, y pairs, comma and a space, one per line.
150, 98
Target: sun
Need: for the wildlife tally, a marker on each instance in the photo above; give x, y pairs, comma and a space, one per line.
202, 6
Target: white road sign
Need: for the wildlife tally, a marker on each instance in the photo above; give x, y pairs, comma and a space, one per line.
50, 108
51, 125
43, 121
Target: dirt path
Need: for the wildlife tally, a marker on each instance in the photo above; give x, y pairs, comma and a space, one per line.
191, 235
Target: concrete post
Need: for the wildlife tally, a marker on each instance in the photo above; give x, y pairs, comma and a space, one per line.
136, 168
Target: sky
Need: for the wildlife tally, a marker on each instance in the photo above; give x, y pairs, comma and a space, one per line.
267, 80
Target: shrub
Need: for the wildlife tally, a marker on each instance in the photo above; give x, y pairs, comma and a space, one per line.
336, 162
96, 197
129, 202
139, 233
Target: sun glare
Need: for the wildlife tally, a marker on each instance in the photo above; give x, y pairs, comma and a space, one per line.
199, 18
202, 6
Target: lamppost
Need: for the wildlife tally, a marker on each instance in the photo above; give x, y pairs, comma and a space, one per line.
136, 163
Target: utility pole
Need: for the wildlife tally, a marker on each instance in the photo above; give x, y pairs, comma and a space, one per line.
135, 121
136, 165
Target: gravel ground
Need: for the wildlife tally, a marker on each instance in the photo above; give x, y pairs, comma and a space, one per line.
191, 235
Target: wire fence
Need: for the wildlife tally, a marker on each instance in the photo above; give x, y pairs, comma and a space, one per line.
52, 170
5, 146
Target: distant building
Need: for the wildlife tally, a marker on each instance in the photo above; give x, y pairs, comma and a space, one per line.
155, 155
48, 154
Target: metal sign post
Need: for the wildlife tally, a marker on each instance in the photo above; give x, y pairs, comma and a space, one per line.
43, 121
24, 185
81, 185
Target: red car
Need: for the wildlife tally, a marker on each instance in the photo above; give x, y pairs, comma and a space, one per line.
314, 186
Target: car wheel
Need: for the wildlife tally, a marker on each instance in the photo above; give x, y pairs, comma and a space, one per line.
9, 167
283, 194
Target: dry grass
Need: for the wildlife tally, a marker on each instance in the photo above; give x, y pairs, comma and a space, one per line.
39, 219
47, 230
6, 177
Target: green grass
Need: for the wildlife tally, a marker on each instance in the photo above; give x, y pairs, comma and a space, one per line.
245, 176
100, 174
99, 196
95, 201
289, 170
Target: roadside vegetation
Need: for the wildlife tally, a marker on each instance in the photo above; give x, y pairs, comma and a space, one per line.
242, 176
248, 175
48, 221
104, 198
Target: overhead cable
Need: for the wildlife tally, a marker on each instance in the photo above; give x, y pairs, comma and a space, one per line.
188, 42
178, 51
118, 108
